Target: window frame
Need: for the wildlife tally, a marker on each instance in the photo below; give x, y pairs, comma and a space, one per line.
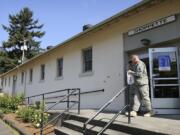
5, 81
84, 70
42, 72
9, 83
22, 77
59, 70
30, 75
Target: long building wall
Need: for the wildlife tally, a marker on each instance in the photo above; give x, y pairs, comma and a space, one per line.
107, 70
108, 60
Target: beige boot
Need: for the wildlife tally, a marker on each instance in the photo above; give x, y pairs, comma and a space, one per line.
149, 114
132, 113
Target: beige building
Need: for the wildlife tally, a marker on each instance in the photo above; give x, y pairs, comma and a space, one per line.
97, 58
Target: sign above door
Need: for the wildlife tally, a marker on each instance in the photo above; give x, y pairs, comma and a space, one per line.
152, 25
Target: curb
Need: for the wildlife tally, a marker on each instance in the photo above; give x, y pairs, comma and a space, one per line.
17, 128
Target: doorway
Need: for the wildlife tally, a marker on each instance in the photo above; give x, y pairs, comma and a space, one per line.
165, 80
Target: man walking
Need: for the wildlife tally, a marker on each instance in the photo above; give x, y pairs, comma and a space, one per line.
140, 87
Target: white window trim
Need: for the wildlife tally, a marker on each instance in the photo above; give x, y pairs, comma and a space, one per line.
84, 74
59, 78
88, 73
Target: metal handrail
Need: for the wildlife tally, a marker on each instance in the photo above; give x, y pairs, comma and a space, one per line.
66, 96
66, 110
60, 101
106, 105
55, 118
43, 94
86, 92
37, 95
112, 120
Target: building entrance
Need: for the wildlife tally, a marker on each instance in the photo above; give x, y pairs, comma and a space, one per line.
164, 80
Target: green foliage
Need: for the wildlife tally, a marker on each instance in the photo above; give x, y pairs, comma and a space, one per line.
1, 113
31, 114
6, 63
10, 104
26, 114
22, 27
37, 118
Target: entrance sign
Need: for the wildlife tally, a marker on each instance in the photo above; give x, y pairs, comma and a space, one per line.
164, 63
152, 25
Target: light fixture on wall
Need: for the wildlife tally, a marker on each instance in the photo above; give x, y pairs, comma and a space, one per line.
145, 41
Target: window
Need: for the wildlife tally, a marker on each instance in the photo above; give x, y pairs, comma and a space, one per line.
42, 72
2, 82
9, 80
30, 75
59, 67
5, 81
87, 60
22, 77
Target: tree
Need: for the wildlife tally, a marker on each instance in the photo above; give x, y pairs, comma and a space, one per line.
6, 63
22, 27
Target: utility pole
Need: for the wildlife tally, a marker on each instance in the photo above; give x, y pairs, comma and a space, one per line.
23, 48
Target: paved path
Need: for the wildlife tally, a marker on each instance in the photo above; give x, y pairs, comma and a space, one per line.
4, 130
167, 124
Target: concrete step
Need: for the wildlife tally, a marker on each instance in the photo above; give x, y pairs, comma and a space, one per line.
139, 125
78, 126
66, 131
121, 127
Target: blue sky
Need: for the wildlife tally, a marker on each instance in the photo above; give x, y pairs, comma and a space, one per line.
62, 18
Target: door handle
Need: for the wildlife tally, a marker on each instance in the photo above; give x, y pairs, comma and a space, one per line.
153, 83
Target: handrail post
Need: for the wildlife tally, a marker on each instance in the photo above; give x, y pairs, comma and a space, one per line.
84, 132
129, 106
42, 116
68, 98
79, 99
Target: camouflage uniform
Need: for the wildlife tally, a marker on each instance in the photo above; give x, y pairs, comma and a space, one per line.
141, 87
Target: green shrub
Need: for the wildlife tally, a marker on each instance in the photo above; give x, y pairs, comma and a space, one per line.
9, 103
26, 114
1, 114
37, 118
31, 114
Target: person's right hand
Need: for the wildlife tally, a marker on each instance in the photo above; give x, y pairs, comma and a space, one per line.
130, 72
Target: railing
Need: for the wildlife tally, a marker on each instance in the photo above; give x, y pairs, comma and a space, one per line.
82, 93
115, 116
63, 98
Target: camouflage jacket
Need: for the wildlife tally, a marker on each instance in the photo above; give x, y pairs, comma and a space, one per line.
140, 74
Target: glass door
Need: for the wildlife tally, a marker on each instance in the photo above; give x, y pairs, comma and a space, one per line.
164, 79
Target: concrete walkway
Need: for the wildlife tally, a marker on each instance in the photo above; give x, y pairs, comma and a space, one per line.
4, 130
157, 124
167, 124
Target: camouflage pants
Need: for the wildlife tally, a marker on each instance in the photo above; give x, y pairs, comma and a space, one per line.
140, 95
